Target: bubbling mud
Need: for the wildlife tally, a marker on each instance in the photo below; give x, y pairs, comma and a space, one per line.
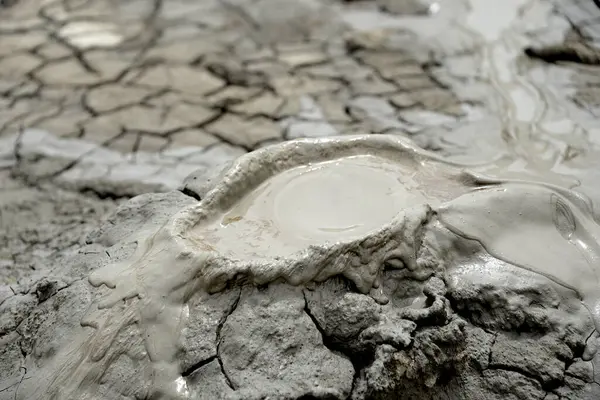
383, 193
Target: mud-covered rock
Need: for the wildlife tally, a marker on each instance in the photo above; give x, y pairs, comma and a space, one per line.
455, 332
269, 346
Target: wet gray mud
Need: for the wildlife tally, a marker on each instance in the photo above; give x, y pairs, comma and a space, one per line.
454, 255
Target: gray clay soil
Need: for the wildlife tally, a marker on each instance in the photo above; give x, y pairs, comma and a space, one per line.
36, 222
467, 337
101, 101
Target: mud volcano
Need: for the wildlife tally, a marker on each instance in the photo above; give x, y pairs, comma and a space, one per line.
323, 202
354, 267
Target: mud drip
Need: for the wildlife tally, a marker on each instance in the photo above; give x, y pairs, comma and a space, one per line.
160, 296
152, 289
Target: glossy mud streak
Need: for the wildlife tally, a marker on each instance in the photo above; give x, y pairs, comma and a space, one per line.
534, 123
212, 244
550, 232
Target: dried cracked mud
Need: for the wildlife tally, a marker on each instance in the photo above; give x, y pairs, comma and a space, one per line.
470, 271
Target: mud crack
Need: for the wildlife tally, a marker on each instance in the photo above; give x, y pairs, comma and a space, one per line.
222, 322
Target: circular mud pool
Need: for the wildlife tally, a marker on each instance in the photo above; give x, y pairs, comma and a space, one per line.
323, 202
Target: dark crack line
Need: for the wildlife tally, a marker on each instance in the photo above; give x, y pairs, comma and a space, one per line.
30, 290
242, 14
314, 319
580, 379
102, 194
544, 385
14, 120
229, 142
373, 70
190, 193
62, 107
136, 144
222, 322
167, 145
78, 55
18, 145
85, 105
198, 365
146, 100
15, 98
326, 343
20, 381
15, 384
567, 52
491, 348
157, 7
44, 15
427, 68
355, 379
38, 27
36, 182
227, 103
148, 44
593, 366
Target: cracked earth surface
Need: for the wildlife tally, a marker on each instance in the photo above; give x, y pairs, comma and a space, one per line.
38, 222
130, 97
128, 89
115, 98
103, 100
462, 338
